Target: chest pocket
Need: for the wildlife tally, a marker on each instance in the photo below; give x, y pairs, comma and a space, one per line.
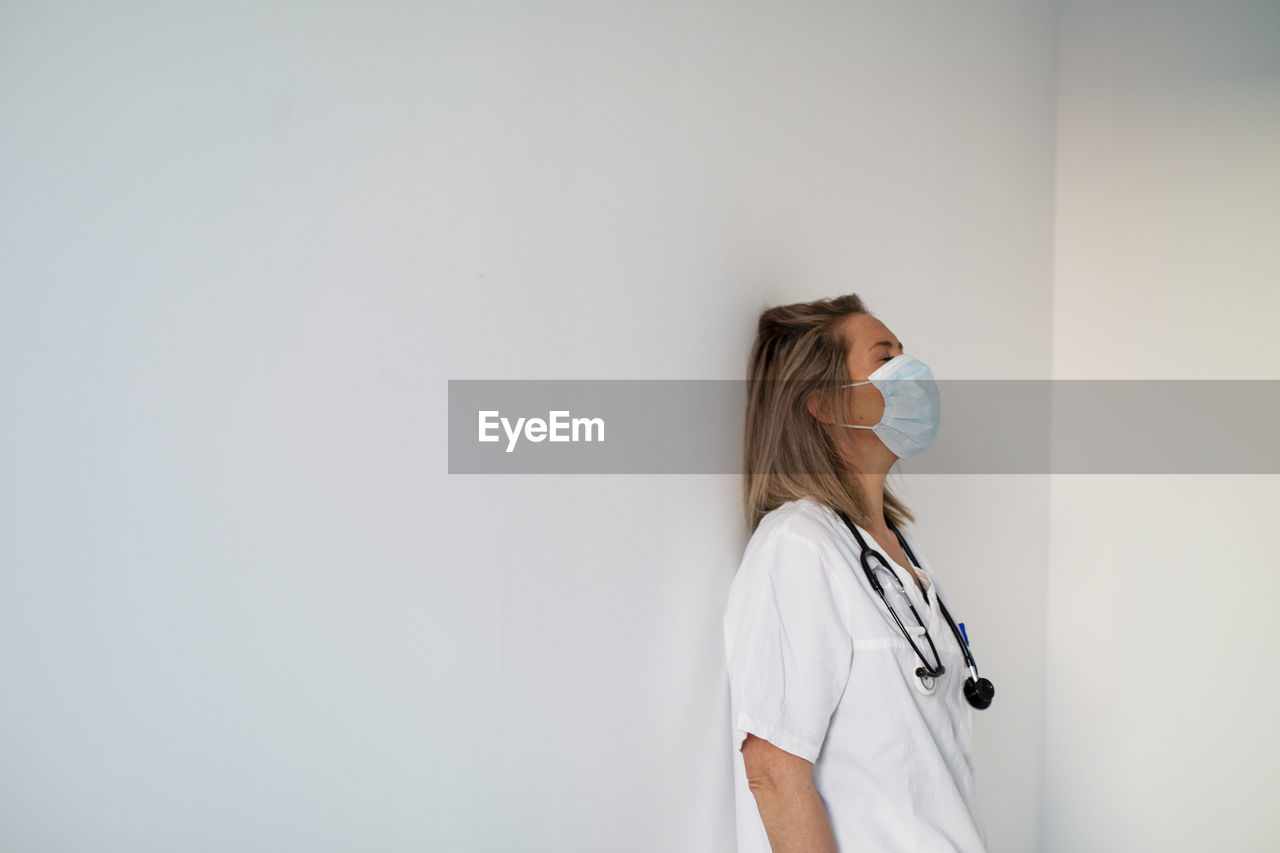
874, 626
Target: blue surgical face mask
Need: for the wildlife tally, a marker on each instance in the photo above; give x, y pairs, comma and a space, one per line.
912, 405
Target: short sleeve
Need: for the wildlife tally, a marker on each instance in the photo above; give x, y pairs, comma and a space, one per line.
787, 644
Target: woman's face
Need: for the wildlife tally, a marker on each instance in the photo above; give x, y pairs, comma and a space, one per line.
871, 344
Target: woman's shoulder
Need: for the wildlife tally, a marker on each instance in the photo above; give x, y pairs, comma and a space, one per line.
794, 544
804, 520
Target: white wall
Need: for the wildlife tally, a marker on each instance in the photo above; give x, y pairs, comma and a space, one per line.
1163, 683
243, 606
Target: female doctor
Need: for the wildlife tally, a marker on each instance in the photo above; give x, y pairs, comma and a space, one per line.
851, 695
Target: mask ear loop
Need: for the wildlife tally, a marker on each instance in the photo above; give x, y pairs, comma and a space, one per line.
858, 426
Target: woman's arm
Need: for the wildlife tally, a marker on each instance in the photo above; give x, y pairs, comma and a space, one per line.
794, 816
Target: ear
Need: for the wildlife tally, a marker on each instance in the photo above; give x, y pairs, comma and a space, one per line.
814, 403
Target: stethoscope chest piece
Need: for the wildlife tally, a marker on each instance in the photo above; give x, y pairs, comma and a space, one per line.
925, 685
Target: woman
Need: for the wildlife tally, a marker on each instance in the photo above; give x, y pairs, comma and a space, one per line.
843, 740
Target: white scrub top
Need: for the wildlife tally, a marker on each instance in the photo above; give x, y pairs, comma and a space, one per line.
818, 667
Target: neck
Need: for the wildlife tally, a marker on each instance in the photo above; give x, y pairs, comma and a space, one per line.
873, 493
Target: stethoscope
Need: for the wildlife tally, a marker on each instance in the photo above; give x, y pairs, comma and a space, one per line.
979, 691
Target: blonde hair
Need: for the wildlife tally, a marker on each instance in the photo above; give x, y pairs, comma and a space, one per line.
788, 453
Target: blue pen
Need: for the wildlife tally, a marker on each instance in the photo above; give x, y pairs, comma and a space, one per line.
964, 634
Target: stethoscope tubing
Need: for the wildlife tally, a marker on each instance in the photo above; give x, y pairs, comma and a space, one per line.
926, 669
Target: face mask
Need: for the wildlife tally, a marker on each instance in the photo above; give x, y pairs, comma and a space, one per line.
912, 405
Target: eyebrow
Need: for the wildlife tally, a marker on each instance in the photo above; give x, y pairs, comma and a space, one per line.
882, 344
